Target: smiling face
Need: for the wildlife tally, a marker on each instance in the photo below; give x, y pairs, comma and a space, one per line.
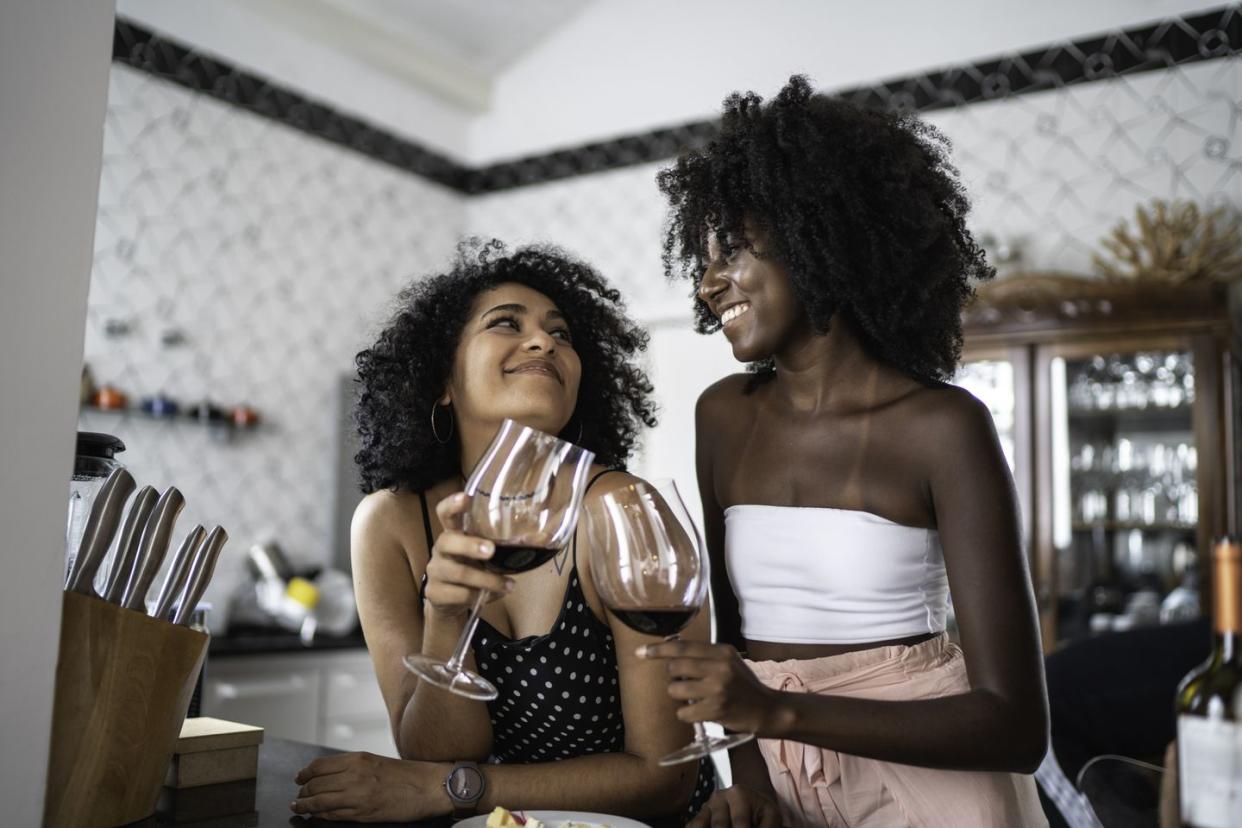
515, 359
754, 300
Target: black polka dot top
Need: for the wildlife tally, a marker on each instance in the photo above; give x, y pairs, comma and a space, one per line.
559, 694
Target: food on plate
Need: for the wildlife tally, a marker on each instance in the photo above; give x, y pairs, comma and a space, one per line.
504, 818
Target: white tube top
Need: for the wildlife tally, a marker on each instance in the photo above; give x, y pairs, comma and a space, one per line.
809, 575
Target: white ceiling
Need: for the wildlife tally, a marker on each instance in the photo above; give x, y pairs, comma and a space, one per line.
453, 48
488, 35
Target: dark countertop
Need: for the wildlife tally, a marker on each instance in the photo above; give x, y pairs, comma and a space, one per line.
264, 802
279, 642
271, 793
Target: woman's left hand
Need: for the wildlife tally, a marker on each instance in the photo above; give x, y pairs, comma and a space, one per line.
363, 787
720, 687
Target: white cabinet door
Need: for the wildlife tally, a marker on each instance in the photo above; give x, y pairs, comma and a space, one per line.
373, 736
353, 694
327, 698
284, 702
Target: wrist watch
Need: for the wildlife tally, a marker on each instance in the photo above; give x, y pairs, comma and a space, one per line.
465, 785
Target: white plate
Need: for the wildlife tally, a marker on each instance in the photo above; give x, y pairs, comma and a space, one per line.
555, 818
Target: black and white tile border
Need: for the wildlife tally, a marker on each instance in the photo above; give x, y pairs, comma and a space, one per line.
1172, 42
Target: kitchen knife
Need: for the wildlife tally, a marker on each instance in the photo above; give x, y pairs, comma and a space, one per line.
127, 547
200, 573
178, 572
100, 527
152, 548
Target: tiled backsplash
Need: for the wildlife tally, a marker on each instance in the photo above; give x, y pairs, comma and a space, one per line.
276, 254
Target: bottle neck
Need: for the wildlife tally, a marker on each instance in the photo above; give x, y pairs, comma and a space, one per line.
1227, 594
1228, 645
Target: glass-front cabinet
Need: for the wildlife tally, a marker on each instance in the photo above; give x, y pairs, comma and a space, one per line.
1125, 492
1118, 417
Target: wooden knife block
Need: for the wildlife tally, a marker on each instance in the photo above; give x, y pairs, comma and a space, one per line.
123, 685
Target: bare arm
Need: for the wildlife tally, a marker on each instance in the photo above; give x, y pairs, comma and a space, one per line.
745, 761
1001, 723
427, 722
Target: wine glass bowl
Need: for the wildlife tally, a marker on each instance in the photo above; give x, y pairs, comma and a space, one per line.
526, 494
650, 570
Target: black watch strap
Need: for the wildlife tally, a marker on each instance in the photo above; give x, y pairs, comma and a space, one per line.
465, 785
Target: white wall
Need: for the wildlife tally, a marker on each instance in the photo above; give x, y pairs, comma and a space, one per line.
54, 57
624, 66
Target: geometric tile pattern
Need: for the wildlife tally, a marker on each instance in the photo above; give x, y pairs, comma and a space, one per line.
273, 249
1177, 41
1049, 174
274, 255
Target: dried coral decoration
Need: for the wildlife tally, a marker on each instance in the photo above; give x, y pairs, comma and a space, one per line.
1176, 243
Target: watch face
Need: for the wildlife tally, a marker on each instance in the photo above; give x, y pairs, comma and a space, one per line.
466, 783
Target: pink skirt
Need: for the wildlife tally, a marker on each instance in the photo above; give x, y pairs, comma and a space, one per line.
818, 787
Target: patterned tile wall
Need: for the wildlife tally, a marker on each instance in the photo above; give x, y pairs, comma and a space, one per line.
1050, 174
276, 255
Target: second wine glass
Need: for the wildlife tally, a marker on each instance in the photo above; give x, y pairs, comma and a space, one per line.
649, 567
525, 496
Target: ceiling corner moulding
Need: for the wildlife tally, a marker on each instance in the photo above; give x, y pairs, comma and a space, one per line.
1176, 41
416, 61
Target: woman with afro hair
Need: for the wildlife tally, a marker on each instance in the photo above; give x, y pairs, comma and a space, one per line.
540, 338
847, 488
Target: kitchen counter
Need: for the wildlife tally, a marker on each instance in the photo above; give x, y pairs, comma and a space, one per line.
273, 790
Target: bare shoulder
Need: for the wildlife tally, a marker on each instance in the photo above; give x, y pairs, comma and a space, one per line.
950, 406
610, 482
386, 510
950, 419
389, 519
722, 397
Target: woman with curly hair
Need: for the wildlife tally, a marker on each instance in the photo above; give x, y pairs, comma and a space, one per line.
540, 338
847, 488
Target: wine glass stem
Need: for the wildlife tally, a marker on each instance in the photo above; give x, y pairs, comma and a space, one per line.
700, 732
463, 643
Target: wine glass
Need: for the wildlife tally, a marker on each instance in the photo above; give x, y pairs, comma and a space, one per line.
525, 496
649, 567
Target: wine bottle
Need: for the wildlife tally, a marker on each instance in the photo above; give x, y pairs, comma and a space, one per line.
1209, 707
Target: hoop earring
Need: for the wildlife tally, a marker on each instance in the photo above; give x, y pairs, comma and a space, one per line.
578, 440
435, 431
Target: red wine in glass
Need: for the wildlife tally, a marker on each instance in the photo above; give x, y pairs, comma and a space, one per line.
512, 558
661, 621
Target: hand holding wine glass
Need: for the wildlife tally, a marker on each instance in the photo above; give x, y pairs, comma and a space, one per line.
525, 495
649, 567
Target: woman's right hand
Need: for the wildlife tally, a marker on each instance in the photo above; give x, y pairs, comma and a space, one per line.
455, 573
737, 807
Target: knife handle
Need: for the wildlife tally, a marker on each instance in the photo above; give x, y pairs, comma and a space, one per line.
127, 547
152, 548
100, 527
178, 571
200, 573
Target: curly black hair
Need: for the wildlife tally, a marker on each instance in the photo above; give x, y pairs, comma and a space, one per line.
863, 208
405, 371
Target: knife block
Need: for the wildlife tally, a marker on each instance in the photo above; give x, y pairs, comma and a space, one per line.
123, 684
